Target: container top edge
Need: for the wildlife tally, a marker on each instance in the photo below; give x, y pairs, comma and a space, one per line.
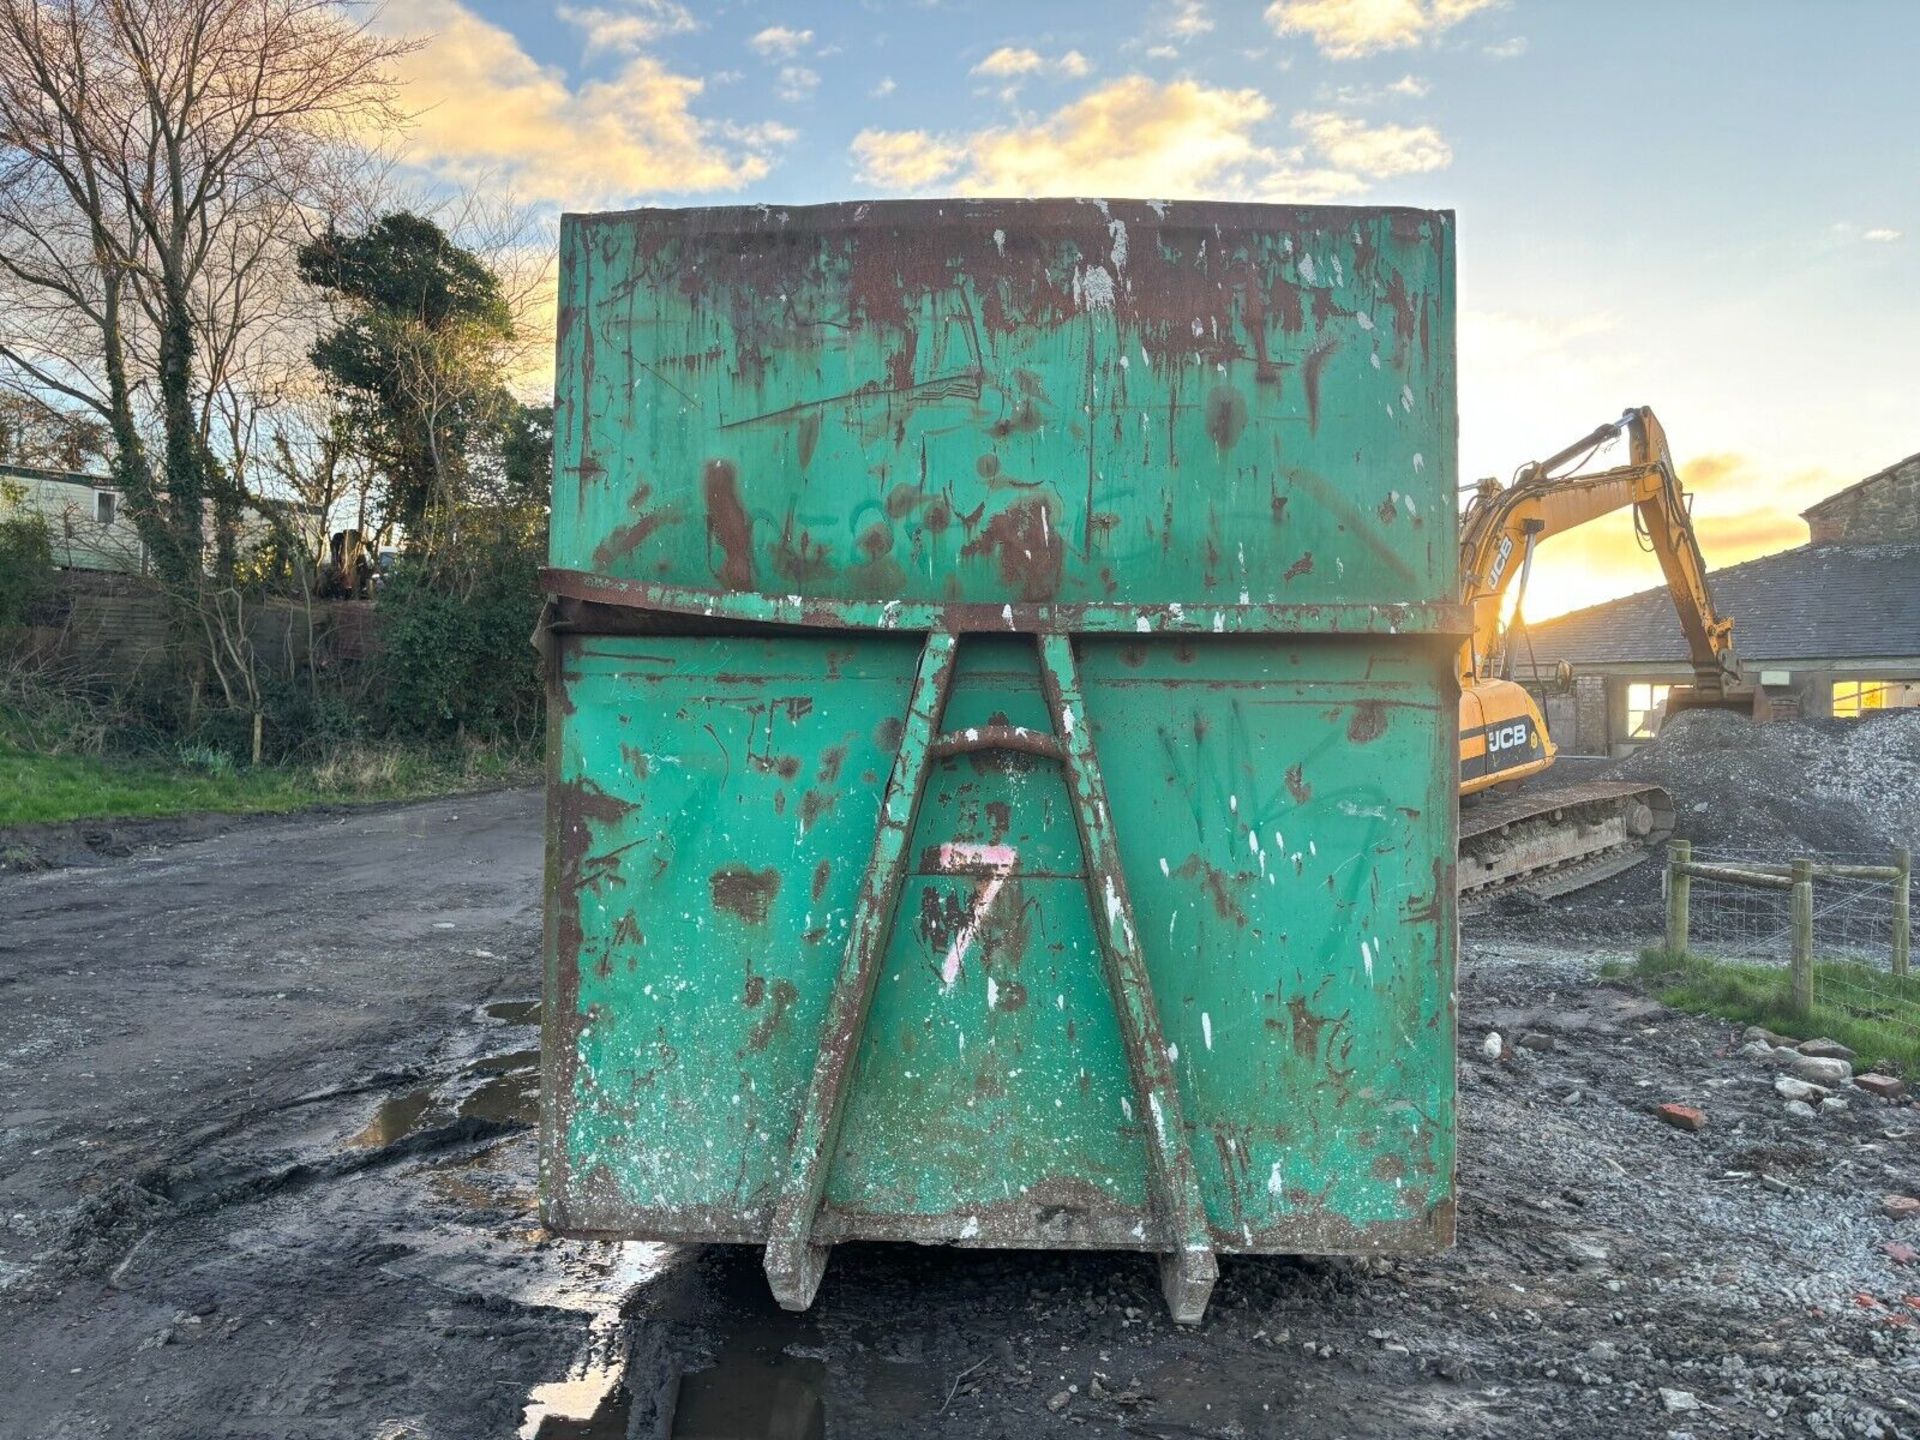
1028, 213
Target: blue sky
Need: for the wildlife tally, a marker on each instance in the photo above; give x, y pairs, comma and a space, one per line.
1712, 208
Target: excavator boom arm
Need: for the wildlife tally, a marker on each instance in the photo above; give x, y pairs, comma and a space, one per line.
1502, 526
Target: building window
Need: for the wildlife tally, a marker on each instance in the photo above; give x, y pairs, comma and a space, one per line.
106, 506
1854, 698
1646, 708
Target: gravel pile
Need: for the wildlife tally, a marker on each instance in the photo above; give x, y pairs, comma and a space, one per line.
1788, 787
1825, 789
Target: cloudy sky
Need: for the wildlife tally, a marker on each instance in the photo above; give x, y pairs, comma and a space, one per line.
1711, 208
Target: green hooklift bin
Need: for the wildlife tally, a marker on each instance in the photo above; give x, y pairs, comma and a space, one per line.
1003, 731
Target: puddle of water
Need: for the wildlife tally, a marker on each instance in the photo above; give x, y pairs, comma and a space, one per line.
756, 1390
509, 1093
394, 1120
515, 1012
593, 1405
591, 1402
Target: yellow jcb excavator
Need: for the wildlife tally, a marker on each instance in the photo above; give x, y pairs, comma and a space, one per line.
1550, 840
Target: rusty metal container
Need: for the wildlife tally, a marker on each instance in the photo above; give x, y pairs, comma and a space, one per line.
1003, 731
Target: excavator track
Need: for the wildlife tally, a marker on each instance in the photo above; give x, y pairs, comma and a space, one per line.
1546, 842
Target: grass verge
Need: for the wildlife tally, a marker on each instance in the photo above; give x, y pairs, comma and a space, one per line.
37, 788
1861, 1007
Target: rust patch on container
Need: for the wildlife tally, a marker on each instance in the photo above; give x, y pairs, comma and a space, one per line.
728, 525
623, 541
1302, 566
743, 892
1306, 1029
755, 991
1297, 786
1197, 867
784, 994
806, 436
1029, 547
821, 873
1369, 722
1310, 372
1226, 415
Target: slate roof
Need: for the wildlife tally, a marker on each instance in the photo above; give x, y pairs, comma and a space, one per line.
1818, 602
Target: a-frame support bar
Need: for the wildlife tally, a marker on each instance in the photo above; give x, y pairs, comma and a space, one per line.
794, 1263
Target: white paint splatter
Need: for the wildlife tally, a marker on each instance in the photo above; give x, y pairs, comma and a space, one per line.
993, 990
1163, 866
1093, 288
1419, 463
1366, 956
1118, 230
1307, 272
1274, 1183
1206, 1028
1000, 242
1364, 320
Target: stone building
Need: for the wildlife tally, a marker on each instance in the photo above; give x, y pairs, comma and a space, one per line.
1830, 628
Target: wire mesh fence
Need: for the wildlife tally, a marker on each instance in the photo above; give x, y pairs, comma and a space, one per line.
1831, 932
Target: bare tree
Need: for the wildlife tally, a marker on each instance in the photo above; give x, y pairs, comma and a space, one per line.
156, 158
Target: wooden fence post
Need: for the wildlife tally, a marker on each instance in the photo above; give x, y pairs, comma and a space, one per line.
1802, 913
1902, 889
1679, 894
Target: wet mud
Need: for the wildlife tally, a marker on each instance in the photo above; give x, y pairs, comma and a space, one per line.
268, 1167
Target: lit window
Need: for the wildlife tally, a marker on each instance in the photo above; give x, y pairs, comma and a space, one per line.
1854, 698
1646, 707
105, 507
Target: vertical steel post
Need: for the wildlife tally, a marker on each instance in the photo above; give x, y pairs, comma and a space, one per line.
1802, 922
1188, 1268
794, 1264
1679, 895
1902, 893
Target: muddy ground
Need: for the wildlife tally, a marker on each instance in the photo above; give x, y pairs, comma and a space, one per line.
267, 1170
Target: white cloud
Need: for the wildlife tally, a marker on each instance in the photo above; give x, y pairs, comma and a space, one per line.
1412, 86
1008, 61
885, 88
1163, 52
487, 109
905, 159
1190, 19
1508, 49
796, 83
1881, 235
1017, 62
635, 25
1380, 151
1348, 29
779, 40
1130, 136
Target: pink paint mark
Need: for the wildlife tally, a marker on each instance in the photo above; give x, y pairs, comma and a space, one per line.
993, 864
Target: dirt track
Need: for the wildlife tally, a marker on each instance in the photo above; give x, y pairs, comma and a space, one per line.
266, 1170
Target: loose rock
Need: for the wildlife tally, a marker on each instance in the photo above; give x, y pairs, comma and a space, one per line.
1821, 1071
1799, 1109
1823, 1048
1492, 1046
1900, 1207
1682, 1117
1887, 1087
1679, 1399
